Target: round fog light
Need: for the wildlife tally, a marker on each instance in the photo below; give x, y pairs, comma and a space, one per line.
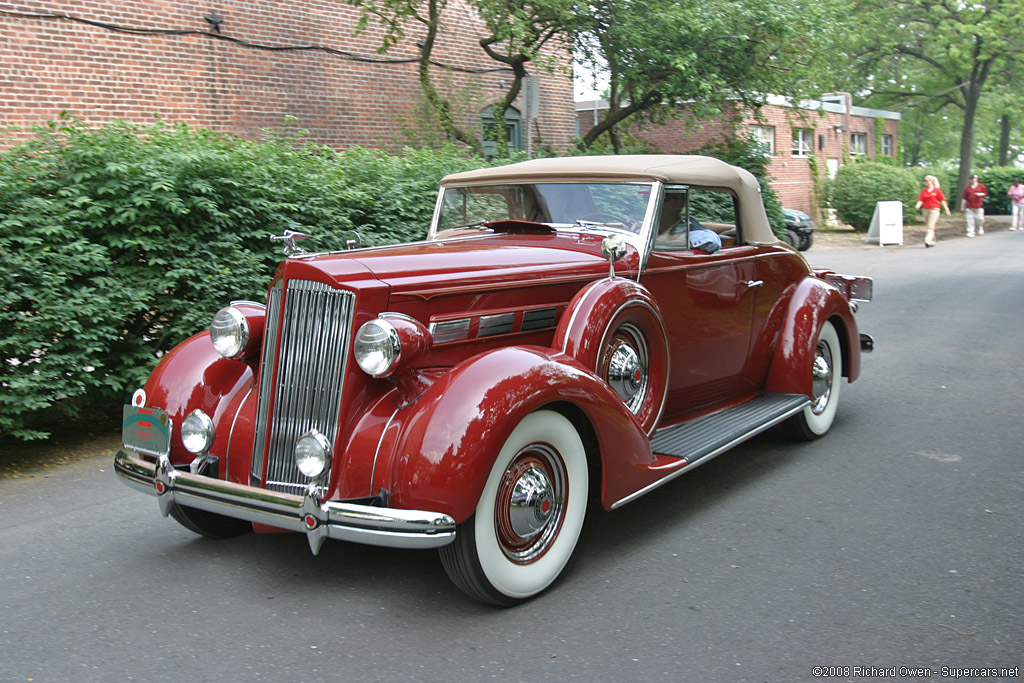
197, 432
312, 454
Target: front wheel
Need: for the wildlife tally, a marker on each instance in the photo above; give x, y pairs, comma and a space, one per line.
826, 377
208, 524
529, 516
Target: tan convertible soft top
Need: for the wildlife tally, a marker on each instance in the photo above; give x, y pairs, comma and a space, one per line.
667, 168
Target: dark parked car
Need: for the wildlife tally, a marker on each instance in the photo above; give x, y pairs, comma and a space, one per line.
799, 228
556, 337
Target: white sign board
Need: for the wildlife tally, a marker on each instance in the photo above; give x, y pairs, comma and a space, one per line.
887, 224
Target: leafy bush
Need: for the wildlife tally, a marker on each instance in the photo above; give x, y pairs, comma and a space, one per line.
998, 180
947, 182
856, 189
119, 243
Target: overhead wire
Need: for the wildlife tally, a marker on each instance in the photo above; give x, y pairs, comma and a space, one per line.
273, 48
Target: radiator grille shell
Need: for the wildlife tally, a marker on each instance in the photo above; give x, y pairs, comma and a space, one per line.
305, 353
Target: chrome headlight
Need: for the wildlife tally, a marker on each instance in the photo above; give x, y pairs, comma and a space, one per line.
197, 432
313, 454
377, 347
229, 332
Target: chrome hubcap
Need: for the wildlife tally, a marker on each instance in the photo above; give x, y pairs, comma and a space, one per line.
627, 366
821, 372
531, 503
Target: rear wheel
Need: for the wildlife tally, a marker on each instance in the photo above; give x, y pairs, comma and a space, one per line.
208, 524
529, 516
826, 377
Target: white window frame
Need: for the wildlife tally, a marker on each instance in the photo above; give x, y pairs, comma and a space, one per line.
764, 136
862, 147
886, 145
803, 142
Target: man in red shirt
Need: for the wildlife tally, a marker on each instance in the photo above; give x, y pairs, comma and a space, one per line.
972, 204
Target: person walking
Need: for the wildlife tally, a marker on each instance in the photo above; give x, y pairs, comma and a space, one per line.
973, 205
1016, 195
928, 202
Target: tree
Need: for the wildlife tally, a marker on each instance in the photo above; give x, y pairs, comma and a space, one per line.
516, 35
950, 49
708, 56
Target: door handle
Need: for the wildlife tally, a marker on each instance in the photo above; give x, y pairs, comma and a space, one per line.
754, 283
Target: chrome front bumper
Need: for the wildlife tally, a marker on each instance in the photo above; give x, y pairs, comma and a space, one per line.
317, 519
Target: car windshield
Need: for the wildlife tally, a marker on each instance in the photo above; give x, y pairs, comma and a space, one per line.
620, 206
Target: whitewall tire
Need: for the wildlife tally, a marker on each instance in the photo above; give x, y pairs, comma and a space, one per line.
529, 516
826, 369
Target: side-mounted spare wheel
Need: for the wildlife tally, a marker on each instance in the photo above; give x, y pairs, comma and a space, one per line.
529, 516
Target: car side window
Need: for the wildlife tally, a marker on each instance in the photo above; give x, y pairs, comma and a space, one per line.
687, 213
716, 210
671, 228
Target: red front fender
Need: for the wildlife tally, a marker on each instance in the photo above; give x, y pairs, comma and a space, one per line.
813, 302
447, 440
193, 375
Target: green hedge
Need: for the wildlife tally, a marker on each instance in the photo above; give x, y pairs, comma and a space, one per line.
118, 243
998, 180
857, 187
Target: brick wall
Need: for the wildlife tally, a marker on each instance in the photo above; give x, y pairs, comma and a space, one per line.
791, 174
358, 98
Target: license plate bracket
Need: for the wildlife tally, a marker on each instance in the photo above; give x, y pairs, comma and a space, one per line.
147, 430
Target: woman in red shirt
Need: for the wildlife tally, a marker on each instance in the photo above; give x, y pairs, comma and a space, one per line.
930, 199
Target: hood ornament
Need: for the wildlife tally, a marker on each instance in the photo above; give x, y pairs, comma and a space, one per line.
290, 237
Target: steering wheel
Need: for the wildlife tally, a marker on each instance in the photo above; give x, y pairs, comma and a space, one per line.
610, 218
602, 217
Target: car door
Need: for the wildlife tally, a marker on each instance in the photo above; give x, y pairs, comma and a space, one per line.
707, 301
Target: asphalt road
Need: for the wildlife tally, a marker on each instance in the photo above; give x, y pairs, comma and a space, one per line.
896, 541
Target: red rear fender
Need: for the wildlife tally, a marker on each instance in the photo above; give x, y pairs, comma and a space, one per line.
813, 302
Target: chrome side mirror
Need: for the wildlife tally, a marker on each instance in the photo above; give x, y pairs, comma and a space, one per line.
613, 248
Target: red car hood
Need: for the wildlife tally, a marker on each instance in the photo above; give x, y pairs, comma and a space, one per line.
468, 262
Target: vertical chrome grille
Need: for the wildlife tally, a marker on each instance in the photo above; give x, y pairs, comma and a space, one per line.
303, 367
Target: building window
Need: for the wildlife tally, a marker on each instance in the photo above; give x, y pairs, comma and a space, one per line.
886, 146
764, 137
513, 130
858, 143
803, 142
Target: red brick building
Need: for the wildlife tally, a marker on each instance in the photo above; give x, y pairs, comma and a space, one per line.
246, 65
813, 135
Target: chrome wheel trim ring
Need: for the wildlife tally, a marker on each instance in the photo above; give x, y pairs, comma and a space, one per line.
530, 504
822, 377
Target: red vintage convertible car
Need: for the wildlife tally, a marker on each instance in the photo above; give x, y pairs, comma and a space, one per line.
570, 329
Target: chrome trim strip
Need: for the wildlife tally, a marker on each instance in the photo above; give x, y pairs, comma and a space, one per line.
687, 466
234, 421
575, 312
380, 442
320, 520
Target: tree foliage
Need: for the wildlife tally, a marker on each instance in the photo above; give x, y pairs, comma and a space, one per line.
704, 56
936, 55
517, 35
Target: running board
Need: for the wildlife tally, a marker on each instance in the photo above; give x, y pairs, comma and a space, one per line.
700, 440
708, 436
